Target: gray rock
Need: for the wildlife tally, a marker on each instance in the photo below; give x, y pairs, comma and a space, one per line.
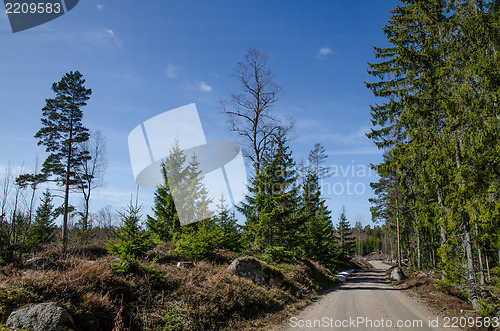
41, 263
251, 268
43, 316
185, 264
397, 274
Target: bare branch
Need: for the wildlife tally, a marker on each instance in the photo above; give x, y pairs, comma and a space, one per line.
250, 114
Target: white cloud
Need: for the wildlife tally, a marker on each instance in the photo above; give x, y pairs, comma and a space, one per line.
204, 87
104, 38
100, 6
172, 71
109, 34
323, 52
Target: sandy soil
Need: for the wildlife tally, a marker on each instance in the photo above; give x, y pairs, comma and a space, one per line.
366, 302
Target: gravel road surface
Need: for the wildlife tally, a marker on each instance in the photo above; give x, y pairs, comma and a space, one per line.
365, 302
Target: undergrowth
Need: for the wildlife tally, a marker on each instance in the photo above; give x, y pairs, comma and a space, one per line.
103, 294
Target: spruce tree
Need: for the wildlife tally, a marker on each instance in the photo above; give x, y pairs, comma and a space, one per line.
198, 239
229, 229
187, 219
42, 230
131, 240
271, 207
196, 193
165, 223
317, 158
344, 236
316, 235
440, 83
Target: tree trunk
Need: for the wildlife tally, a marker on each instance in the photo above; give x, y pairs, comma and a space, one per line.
470, 261
392, 250
481, 268
66, 208
359, 242
419, 261
480, 256
444, 239
66, 193
433, 258
487, 267
85, 221
398, 233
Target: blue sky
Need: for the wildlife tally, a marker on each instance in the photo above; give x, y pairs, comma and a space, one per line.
141, 59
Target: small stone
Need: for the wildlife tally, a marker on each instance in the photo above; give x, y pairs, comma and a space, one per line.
397, 274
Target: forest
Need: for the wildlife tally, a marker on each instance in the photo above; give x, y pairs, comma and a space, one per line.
437, 122
286, 218
435, 206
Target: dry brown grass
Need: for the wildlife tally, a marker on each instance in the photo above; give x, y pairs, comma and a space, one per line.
445, 302
162, 297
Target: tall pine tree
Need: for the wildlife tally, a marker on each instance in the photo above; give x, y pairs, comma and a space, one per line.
61, 133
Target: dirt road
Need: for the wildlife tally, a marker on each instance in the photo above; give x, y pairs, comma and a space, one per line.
365, 302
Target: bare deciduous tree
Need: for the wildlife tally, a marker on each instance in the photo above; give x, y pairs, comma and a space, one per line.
249, 113
104, 218
16, 208
90, 172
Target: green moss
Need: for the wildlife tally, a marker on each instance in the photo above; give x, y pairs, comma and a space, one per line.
12, 299
269, 269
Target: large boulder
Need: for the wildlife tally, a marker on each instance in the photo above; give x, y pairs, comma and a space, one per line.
257, 271
43, 316
397, 274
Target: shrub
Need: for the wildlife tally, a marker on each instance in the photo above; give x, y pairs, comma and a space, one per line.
197, 240
132, 242
279, 254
